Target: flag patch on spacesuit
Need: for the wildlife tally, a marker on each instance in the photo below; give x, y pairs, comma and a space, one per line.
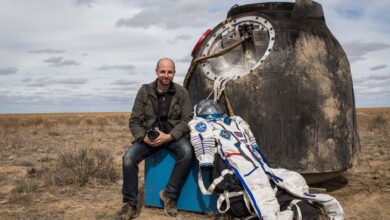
201, 127
225, 134
238, 134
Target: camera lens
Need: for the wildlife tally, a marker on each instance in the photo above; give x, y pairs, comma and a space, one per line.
152, 134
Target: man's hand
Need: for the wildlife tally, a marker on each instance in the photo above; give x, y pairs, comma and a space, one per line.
147, 140
160, 140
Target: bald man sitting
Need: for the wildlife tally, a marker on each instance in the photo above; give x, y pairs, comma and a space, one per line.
159, 120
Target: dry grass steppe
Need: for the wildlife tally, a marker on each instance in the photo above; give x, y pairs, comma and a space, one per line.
68, 166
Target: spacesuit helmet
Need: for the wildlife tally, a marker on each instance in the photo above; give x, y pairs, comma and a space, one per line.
208, 109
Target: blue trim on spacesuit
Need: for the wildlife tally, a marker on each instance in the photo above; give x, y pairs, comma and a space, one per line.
220, 144
273, 177
242, 182
265, 159
250, 172
201, 142
248, 191
211, 116
309, 195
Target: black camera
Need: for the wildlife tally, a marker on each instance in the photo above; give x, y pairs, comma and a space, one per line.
152, 134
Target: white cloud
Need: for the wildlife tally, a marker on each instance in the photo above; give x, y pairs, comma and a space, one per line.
94, 51
181, 37
369, 78
46, 51
171, 15
26, 79
358, 50
60, 61
120, 67
84, 2
72, 81
378, 67
123, 82
185, 59
8, 70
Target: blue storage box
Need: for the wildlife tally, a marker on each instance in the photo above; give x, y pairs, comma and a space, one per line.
158, 168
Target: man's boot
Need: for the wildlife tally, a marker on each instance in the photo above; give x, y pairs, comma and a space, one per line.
169, 204
127, 212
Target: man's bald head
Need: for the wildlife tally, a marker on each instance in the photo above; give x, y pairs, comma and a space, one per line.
165, 59
165, 71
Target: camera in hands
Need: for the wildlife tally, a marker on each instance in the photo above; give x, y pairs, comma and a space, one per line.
152, 134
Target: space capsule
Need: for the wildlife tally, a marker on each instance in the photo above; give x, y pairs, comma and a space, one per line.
289, 78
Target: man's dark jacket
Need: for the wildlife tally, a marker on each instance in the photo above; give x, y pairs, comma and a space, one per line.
143, 116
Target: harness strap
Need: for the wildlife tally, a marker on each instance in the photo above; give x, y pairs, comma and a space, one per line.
225, 196
212, 186
295, 203
251, 216
248, 205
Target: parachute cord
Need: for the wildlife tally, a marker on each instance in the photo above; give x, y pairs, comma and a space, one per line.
228, 105
199, 59
220, 84
217, 54
222, 90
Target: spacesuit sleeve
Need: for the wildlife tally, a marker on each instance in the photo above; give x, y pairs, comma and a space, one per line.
258, 152
203, 141
247, 129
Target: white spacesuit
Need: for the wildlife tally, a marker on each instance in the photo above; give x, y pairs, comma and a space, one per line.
212, 132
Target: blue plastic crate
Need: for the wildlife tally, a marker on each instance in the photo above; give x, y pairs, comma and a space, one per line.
158, 168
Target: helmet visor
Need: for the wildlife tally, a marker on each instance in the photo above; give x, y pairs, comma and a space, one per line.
209, 109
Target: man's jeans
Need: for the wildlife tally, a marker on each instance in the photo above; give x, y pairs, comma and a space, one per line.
181, 148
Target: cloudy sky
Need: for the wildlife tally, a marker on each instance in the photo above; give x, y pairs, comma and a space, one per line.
93, 55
